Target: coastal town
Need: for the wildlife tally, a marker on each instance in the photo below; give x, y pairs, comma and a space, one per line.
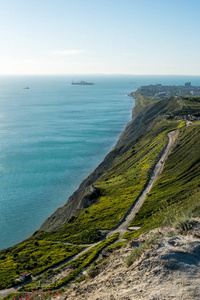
159, 91
184, 92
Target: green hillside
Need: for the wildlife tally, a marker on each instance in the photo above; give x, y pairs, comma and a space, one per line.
177, 191
118, 181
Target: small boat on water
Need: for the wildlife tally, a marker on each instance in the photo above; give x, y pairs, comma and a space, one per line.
26, 88
82, 82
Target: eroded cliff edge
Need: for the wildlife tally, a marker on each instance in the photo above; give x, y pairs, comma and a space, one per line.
86, 194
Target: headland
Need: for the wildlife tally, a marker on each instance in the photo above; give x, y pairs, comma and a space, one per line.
59, 252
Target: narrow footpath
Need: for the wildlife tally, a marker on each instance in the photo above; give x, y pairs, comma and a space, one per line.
123, 227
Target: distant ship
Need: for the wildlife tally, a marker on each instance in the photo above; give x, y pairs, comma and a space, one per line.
26, 88
82, 82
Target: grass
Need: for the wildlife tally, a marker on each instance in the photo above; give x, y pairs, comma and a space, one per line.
191, 105
92, 271
76, 267
141, 103
117, 245
176, 191
183, 223
120, 186
34, 256
138, 251
82, 262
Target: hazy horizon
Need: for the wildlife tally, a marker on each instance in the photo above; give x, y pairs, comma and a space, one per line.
99, 74
130, 37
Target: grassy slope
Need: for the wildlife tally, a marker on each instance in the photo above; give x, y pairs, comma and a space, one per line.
75, 266
123, 181
177, 191
33, 255
120, 185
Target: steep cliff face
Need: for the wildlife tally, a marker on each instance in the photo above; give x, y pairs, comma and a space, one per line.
86, 194
105, 197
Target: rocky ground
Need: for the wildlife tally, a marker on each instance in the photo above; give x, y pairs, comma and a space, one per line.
170, 269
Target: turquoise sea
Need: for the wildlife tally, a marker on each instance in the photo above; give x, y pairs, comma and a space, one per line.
52, 136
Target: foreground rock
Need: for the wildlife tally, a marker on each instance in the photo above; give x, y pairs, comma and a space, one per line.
169, 270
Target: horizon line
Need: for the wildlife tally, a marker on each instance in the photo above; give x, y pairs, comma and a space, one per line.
88, 74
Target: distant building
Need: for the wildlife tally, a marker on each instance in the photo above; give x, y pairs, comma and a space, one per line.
160, 91
24, 276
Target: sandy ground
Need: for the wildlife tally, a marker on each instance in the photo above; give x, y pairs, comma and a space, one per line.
169, 270
122, 228
5, 292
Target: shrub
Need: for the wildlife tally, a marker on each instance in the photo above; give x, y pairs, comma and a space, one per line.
137, 251
183, 223
92, 271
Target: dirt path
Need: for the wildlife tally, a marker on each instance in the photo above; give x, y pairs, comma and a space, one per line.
155, 173
76, 256
122, 228
168, 270
6, 292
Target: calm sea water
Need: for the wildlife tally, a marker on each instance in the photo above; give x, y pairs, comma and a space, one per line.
52, 136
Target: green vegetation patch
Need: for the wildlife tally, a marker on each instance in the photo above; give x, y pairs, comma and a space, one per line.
82, 262
142, 102
189, 105
76, 266
137, 251
177, 190
34, 256
120, 186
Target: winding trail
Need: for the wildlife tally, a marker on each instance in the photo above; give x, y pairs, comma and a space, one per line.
122, 228
157, 170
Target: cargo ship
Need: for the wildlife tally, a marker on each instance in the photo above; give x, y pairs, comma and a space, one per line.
82, 82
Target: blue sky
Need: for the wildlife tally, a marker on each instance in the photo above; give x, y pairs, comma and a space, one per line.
93, 36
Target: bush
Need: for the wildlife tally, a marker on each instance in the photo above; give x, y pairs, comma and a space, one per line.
92, 271
183, 223
137, 251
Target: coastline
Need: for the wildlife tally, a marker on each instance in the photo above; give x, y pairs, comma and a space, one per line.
40, 176
86, 194
124, 177
51, 198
